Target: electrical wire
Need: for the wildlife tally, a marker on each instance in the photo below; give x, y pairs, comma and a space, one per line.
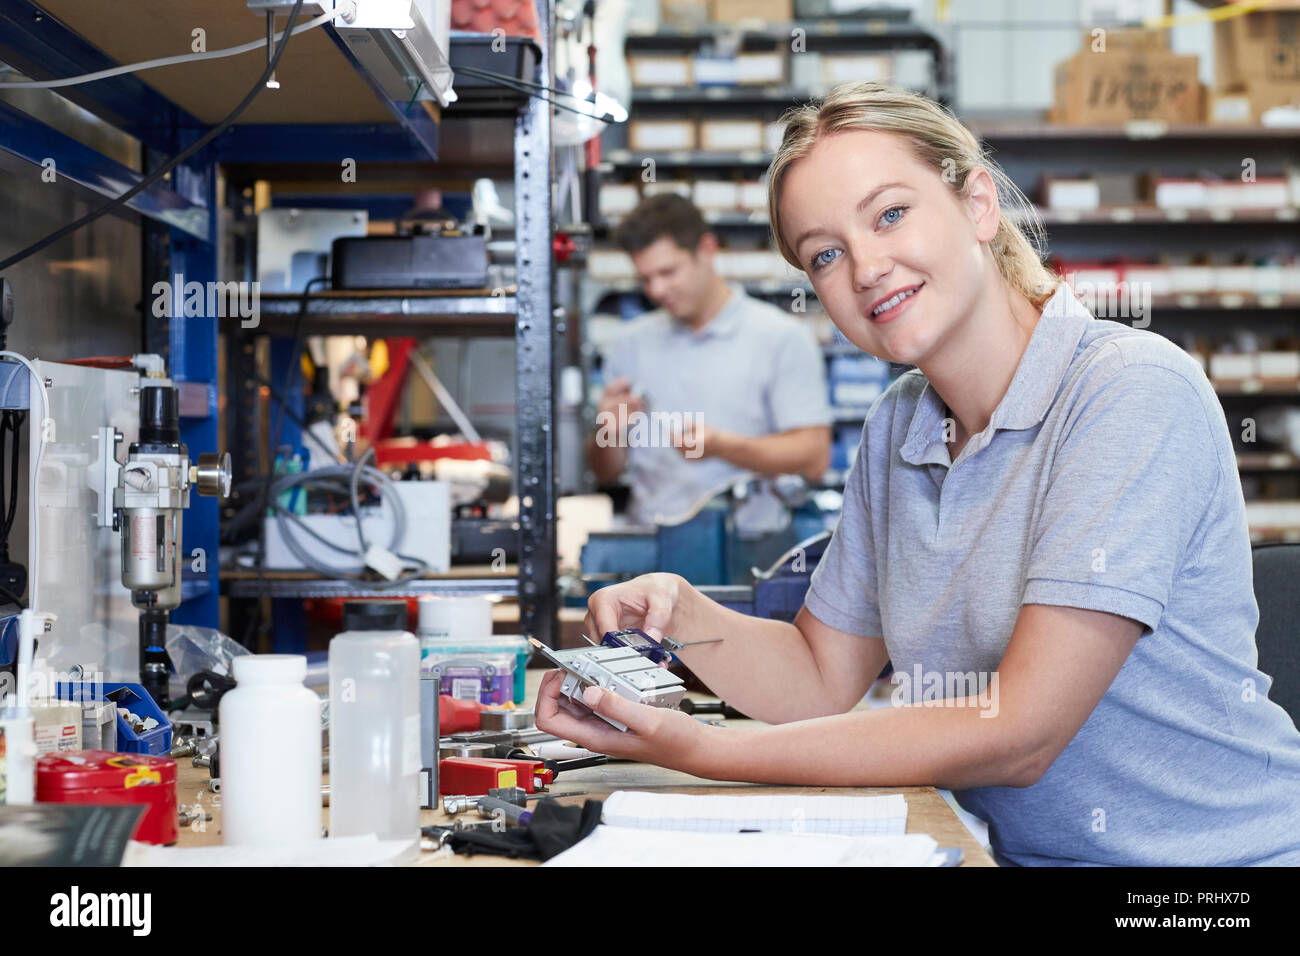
162, 61
535, 90
33, 515
170, 164
348, 478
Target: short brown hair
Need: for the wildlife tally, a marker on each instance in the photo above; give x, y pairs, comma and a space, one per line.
666, 214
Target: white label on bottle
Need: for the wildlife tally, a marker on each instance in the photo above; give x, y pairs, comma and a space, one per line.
411, 744
466, 688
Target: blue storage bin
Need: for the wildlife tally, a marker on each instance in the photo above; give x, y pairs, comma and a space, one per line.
156, 741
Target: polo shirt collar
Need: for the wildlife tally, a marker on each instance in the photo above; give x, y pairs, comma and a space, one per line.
725, 322
1033, 388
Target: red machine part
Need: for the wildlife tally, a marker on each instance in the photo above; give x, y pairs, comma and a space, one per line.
475, 776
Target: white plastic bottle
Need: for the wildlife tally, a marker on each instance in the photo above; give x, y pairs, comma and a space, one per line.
375, 724
270, 754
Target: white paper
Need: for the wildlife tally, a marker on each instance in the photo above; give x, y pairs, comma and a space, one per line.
721, 813
623, 846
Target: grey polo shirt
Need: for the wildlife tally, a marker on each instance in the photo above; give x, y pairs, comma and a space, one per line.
1105, 480
752, 369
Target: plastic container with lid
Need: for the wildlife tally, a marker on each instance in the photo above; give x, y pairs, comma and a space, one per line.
456, 634
101, 776
375, 724
270, 754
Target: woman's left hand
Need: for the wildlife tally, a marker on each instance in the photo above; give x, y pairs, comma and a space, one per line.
655, 735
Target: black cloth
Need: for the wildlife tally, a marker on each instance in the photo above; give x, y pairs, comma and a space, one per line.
552, 830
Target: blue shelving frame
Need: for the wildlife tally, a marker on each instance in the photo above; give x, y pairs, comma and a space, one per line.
43, 47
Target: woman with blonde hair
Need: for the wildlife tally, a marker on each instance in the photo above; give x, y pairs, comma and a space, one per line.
1043, 532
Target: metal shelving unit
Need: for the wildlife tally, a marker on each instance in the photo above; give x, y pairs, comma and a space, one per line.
304, 122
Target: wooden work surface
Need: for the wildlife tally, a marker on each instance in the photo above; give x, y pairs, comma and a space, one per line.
927, 812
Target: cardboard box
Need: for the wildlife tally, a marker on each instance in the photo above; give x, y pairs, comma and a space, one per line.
731, 135
660, 70
739, 11
691, 13
660, 136
1117, 87
1258, 49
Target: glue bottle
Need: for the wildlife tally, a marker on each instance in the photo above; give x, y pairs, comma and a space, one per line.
375, 724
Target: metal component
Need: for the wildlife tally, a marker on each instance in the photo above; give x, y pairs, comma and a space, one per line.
458, 803
215, 784
675, 645
517, 719
33, 142
620, 670
271, 82
482, 737
211, 476
326, 588
536, 339
452, 748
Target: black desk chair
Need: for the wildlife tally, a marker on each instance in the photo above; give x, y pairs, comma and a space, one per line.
1277, 591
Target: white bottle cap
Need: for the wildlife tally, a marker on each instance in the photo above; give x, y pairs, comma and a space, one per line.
270, 668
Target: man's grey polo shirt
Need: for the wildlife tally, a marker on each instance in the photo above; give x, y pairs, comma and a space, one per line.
1105, 480
752, 369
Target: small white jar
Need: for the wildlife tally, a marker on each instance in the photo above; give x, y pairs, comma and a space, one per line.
270, 740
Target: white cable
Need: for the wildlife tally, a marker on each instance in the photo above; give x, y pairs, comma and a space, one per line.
164, 61
25, 635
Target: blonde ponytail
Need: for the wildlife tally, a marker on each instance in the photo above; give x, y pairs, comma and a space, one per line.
941, 142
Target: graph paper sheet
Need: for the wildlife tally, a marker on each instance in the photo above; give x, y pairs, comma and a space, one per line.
783, 813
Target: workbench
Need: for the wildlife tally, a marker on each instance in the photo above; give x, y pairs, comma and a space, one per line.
927, 812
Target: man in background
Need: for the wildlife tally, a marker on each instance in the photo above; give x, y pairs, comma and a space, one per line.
711, 385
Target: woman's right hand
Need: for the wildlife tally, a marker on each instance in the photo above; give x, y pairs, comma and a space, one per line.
656, 603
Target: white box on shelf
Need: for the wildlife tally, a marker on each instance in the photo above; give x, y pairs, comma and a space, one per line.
1233, 365
752, 195
715, 71
715, 194
760, 68
1156, 278
618, 199
837, 68
661, 136
659, 70
1073, 194
610, 265
725, 136
1192, 280
679, 186
1279, 365
1180, 193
